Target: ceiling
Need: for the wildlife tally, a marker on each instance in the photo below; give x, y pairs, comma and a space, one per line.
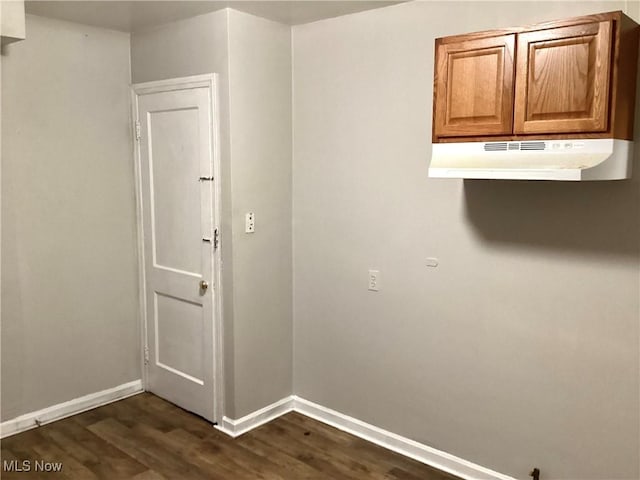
131, 16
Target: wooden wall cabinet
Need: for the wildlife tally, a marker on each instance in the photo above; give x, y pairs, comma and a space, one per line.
552, 80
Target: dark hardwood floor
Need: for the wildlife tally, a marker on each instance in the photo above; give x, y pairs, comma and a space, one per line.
147, 438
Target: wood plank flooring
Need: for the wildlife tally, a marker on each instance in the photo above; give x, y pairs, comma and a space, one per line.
146, 438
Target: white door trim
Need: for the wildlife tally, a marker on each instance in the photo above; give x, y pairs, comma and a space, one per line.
209, 81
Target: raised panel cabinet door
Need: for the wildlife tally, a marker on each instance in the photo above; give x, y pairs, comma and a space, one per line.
474, 87
562, 79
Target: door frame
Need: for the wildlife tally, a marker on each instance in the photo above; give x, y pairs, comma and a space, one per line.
209, 81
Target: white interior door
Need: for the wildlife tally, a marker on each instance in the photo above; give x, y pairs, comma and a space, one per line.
176, 176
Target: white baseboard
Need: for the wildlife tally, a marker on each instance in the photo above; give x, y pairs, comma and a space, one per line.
430, 456
436, 458
235, 428
66, 409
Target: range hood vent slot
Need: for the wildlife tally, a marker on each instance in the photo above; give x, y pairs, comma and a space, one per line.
532, 146
495, 147
504, 146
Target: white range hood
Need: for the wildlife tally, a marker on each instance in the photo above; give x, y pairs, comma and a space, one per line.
575, 160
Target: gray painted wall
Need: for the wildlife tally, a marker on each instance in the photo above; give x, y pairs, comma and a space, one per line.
69, 290
260, 80
253, 58
521, 348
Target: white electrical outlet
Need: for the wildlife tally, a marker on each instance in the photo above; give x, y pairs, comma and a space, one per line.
374, 280
432, 262
249, 223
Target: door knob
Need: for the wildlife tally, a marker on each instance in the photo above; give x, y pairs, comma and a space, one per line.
204, 285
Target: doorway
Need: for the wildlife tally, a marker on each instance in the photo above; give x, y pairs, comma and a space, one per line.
177, 172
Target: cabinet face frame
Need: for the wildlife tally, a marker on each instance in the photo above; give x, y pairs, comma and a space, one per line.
597, 38
500, 121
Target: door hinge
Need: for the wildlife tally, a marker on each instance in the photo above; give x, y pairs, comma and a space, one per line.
216, 238
138, 130
146, 355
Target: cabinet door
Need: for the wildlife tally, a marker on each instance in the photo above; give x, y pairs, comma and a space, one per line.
474, 87
562, 79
